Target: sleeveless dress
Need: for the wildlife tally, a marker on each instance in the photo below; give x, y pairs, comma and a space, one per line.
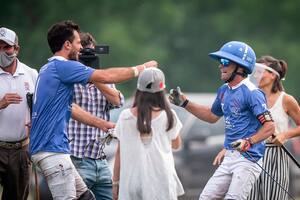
275, 161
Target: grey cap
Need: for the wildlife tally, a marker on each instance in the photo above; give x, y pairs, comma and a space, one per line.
151, 80
8, 36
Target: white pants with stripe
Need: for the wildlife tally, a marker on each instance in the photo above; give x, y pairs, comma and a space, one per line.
233, 179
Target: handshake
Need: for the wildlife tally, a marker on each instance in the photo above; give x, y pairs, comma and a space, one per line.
177, 97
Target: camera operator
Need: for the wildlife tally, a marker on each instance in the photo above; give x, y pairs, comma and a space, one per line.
86, 146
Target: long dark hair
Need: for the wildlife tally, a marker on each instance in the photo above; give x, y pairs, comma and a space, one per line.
145, 102
279, 66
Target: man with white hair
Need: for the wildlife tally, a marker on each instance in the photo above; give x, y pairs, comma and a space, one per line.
16, 80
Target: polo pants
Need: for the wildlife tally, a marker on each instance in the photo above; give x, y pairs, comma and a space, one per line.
233, 179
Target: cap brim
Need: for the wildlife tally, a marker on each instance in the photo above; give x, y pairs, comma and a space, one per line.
7, 41
221, 54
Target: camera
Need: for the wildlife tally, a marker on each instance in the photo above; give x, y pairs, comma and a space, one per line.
88, 56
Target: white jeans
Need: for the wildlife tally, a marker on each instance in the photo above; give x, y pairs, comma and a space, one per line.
62, 178
233, 179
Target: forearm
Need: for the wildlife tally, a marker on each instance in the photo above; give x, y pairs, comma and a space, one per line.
111, 94
116, 174
118, 74
85, 117
292, 133
264, 132
202, 112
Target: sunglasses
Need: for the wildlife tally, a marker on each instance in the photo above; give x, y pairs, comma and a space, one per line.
225, 62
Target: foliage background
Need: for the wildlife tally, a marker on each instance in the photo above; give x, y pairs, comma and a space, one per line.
178, 34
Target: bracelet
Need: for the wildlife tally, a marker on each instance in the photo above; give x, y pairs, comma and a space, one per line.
185, 103
135, 71
115, 183
250, 140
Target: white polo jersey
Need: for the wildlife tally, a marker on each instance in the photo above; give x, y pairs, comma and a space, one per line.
14, 117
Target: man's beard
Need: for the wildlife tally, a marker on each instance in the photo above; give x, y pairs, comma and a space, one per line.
73, 55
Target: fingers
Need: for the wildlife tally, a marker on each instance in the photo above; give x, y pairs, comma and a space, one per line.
216, 160
179, 90
10, 98
219, 158
13, 98
277, 141
151, 63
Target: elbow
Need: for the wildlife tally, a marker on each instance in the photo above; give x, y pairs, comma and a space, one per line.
176, 146
116, 101
213, 119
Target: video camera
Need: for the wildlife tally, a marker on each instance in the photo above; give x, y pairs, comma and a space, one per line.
89, 58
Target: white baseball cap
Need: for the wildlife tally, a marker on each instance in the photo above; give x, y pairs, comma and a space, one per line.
8, 36
151, 80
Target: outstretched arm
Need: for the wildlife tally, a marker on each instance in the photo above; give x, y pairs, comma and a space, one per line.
120, 74
200, 111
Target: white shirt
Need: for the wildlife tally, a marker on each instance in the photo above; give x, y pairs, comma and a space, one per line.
279, 115
14, 117
147, 171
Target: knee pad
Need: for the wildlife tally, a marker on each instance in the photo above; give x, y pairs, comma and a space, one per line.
87, 195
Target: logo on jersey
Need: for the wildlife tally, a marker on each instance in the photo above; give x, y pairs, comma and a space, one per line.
26, 86
235, 107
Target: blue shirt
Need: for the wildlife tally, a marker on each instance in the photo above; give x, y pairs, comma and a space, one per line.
52, 104
240, 106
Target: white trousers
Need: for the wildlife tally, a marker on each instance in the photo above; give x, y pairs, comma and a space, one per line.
62, 178
233, 179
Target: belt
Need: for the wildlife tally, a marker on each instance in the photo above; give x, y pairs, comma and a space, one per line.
14, 145
103, 157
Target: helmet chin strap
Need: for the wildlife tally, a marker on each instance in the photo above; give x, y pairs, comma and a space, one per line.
234, 73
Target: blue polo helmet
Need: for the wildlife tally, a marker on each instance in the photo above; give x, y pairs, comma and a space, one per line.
238, 52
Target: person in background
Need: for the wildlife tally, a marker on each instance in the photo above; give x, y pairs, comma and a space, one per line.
16, 80
270, 72
87, 142
49, 142
144, 164
247, 123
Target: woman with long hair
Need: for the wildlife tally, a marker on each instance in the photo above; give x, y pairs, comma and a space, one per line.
282, 107
147, 132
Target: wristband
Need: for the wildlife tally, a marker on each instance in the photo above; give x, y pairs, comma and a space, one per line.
250, 140
185, 103
135, 71
115, 183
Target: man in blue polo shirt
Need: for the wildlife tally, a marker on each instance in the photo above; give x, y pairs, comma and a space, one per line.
247, 123
49, 144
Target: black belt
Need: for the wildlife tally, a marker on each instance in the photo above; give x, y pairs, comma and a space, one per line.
14, 145
269, 144
103, 157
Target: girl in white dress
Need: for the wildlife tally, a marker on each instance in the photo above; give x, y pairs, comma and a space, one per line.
144, 164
